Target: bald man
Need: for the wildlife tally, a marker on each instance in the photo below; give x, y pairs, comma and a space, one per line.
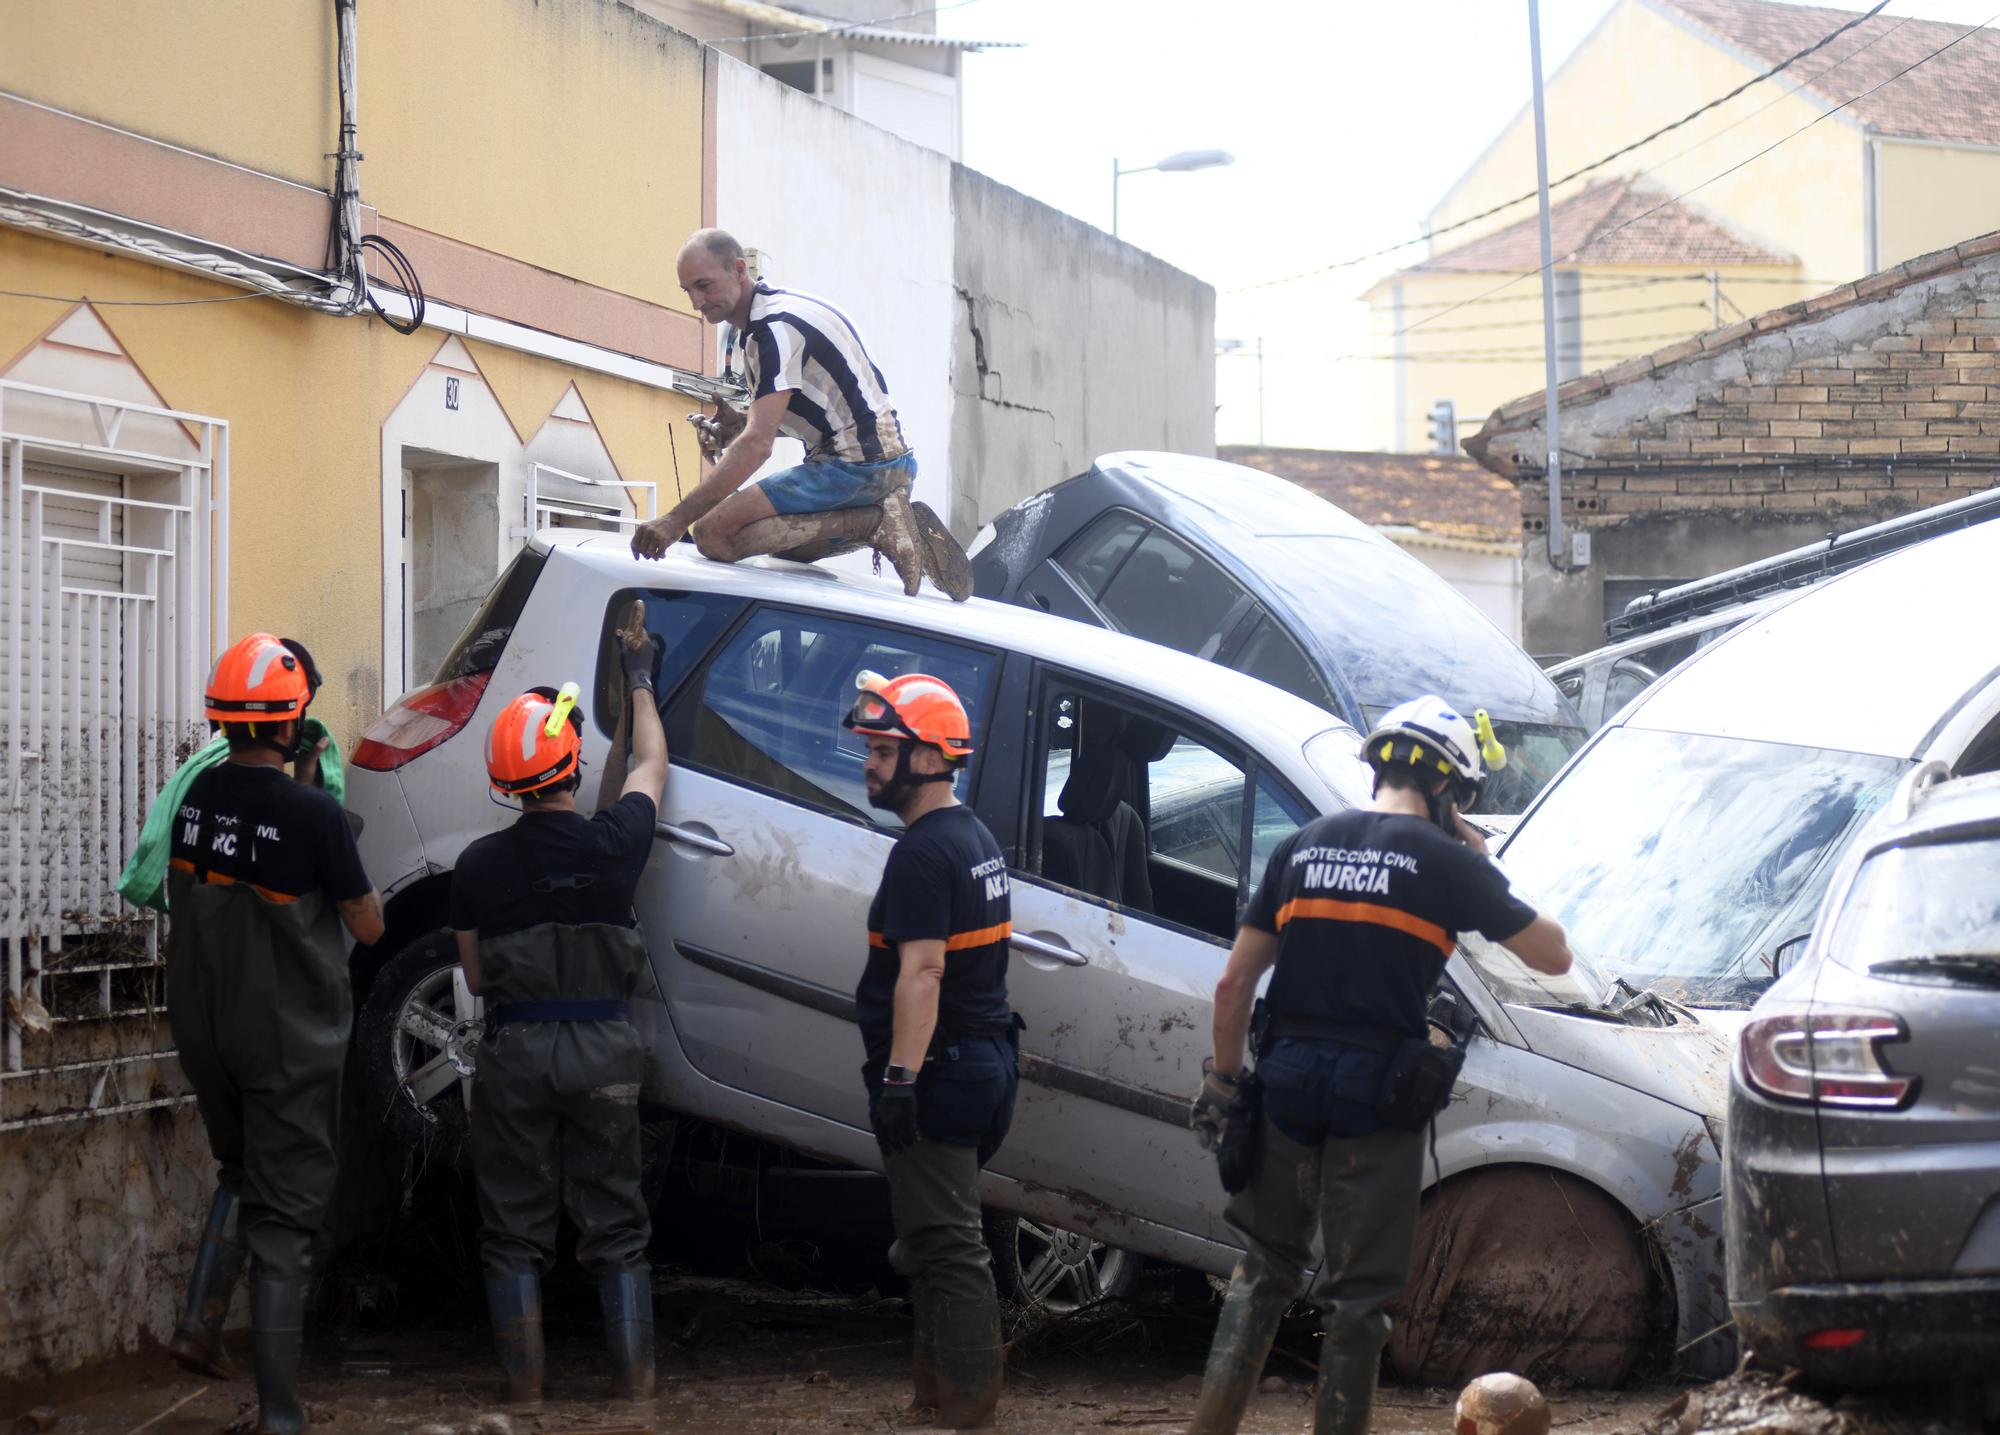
810, 379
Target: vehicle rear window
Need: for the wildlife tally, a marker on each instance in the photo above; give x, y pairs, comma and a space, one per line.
1910, 905
686, 625
479, 647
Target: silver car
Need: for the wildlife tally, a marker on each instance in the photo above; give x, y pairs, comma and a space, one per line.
1137, 793
1863, 1186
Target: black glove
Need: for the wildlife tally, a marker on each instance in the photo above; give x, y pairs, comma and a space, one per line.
895, 1118
639, 663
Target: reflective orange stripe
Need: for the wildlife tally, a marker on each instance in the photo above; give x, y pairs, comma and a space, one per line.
985, 936
223, 879
1328, 909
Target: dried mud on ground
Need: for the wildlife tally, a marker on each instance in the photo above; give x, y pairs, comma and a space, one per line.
737, 1357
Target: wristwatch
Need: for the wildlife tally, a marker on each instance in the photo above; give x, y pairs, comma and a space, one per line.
899, 1076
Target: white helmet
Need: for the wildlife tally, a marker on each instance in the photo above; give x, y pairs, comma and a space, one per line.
1429, 734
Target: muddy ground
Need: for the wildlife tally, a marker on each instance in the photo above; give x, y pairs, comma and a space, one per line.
740, 1356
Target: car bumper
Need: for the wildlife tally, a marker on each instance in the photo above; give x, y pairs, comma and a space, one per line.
1691, 1242
1911, 1331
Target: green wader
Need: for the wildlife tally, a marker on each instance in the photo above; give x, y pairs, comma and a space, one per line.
555, 1127
941, 1247
1361, 1194
260, 1004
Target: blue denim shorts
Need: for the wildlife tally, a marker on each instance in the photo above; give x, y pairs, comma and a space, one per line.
825, 484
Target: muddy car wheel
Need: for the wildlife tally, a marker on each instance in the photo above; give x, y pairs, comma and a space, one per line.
1053, 1270
418, 1035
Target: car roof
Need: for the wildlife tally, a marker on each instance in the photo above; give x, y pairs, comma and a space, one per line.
1266, 717
1640, 642
1868, 661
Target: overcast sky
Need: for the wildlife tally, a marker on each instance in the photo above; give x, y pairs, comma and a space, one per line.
1348, 120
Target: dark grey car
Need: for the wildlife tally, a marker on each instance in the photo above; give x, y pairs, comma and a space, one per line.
1862, 1177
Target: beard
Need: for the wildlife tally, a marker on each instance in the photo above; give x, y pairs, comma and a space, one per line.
891, 795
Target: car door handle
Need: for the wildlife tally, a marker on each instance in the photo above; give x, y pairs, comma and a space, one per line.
1036, 947
700, 841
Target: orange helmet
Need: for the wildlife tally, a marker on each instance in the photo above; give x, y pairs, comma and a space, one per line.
536, 741
262, 678
915, 706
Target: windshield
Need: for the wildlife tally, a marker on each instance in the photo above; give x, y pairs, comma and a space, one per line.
1681, 863
1912, 904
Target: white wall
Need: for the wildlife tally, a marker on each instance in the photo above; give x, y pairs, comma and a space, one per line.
1491, 580
860, 218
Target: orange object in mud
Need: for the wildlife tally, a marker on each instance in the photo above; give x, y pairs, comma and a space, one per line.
536, 741
261, 678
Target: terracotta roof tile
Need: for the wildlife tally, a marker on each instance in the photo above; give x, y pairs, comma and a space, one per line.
1450, 497
1582, 229
1955, 97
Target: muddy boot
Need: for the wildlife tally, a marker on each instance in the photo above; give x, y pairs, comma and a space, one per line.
1346, 1391
1243, 1335
923, 1350
969, 1359
514, 1301
897, 539
627, 1298
197, 1339
945, 563
277, 1322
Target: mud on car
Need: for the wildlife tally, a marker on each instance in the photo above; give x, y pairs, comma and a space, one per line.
1137, 793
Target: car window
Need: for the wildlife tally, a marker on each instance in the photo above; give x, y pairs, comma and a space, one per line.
1275, 815
685, 626
769, 709
1167, 593
1138, 814
1271, 654
1932, 904
1094, 554
1570, 685
1628, 679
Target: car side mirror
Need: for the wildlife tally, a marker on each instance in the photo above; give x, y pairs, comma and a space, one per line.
1786, 954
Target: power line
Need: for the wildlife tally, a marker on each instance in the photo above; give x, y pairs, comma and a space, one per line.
1578, 173
1536, 323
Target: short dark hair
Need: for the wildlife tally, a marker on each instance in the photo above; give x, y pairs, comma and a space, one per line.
1403, 777
720, 243
243, 736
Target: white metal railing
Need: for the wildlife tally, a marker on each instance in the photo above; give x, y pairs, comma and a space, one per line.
544, 510
114, 577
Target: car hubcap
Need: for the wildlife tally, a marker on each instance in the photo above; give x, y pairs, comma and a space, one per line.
1062, 1271
436, 1045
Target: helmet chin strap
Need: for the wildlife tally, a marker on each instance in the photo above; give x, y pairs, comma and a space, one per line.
291, 752
903, 781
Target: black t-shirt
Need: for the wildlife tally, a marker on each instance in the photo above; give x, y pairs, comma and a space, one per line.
945, 881
1367, 907
554, 867
256, 824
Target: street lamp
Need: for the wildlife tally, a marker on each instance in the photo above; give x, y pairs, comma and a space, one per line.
1173, 164
1225, 347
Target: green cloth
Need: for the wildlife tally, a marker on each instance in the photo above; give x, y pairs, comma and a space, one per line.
143, 883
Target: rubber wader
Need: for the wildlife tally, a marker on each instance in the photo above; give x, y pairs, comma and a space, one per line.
218, 1263
941, 1247
555, 1127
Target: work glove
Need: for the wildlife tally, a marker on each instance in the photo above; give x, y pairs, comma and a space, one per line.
895, 1118
639, 651
1209, 1115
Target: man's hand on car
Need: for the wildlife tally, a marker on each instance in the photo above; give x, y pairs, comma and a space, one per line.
1209, 1115
895, 1117
654, 537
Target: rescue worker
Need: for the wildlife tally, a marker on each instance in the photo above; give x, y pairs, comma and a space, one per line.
1359, 912
546, 934
263, 876
941, 1041
810, 378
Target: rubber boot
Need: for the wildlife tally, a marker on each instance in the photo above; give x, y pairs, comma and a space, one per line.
923, 1349
277, 1322
897, 539
218, 1261
1243, 1335
627, 1298
970, 1361
514, 1301
944, 558
1346, 1391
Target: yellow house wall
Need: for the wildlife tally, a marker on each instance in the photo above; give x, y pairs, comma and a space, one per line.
1640, 70
565, 133
1625, 312
306, 396
1930, 196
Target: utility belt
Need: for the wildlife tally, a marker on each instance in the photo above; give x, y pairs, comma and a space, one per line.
509, 1013
1418, 1081
1007, 1029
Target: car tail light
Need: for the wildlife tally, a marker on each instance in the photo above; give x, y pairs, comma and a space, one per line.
418, 722
1839, 1337
1827, 1057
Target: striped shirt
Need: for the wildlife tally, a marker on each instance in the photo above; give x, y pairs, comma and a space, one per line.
840, 405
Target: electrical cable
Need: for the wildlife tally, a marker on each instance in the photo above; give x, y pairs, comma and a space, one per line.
1536, 323
135, 303
1578, 173
1675, 199
406, 275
